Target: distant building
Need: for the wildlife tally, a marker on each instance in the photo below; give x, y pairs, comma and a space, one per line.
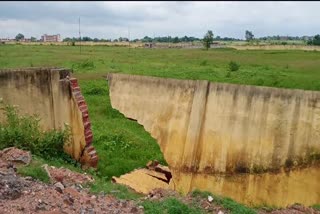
6, 39
149, 45
25, 40
51, 38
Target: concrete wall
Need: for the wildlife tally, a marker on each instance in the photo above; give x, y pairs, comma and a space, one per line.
47, 93
218, 130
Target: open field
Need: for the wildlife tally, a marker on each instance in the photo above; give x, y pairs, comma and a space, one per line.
123, 145
239, 45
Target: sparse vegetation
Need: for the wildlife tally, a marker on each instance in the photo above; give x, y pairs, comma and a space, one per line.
233, 66
316, 206
34, 170
170, 206
129, 146
24, 132
227, 203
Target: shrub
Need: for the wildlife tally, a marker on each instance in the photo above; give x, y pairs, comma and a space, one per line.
87, 64
204, 63
73, 43
24, 132
233, 66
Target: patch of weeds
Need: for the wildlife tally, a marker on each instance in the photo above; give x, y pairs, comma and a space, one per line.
276, 52
233, 66
95, 90
204, 62
266, 208
169, 206
24, 132
266, 67
35, 171
102, 61
114, 142
227, 203
87, 64
259, 81
228, 75
316, 206
119, 191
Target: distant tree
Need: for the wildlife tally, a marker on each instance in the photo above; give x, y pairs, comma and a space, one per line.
67, 39
19, 36
146, 39
33, 39
175, 39
96, 40
86, 39
115, 40
315, 40
249, 35
207, 39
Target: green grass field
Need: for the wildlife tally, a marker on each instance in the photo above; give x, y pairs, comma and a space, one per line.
124, 145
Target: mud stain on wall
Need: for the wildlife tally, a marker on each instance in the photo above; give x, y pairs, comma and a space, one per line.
208, 129
46, 92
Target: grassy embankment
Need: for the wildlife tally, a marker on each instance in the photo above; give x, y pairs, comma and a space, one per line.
123, 145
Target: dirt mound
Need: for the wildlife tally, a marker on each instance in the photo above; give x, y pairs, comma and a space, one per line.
66, 176
64, 195
15, 155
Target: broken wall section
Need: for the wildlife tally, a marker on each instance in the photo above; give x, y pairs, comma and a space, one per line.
47, 92
220, 137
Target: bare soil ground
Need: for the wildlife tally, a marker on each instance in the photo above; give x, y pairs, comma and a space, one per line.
65, 193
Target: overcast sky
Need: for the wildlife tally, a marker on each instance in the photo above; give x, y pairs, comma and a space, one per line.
111, 20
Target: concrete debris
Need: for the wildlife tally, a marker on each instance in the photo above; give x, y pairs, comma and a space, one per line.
154, 176
66, 176
15, 155
59, 187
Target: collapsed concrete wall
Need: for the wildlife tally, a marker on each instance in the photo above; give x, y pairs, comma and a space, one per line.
235, 140
56, 99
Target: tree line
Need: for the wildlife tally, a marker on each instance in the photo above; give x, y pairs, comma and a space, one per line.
208, 38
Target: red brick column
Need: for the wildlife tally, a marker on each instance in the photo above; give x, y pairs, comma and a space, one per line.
89, 157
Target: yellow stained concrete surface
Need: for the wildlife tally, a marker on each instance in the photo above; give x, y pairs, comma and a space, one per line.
46, 93
214, 128
143, 180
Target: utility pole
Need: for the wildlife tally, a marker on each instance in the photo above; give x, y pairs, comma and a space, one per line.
80, 35
129, 36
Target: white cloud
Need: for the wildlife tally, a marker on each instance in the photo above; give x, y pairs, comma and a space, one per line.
112, 19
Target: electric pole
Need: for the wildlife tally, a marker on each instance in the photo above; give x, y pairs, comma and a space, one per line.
129, 36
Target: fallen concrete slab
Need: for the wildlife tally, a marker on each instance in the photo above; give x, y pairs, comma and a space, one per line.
146, 179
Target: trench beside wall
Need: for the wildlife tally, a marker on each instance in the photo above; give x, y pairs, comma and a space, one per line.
56, 100
237, 140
